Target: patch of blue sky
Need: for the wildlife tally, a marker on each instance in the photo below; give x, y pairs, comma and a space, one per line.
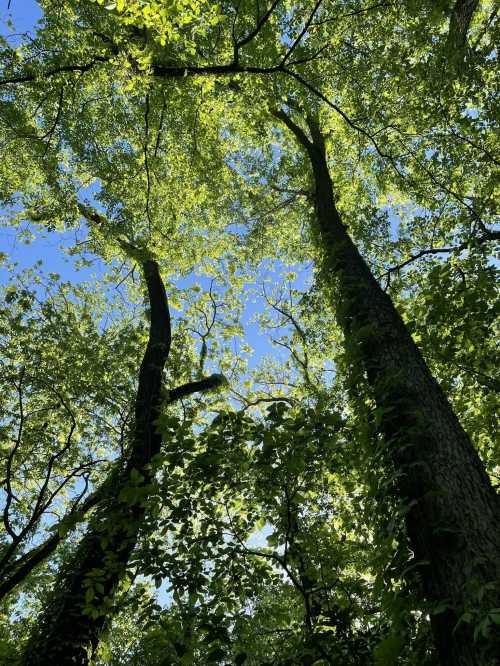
254, 303
471, 112
29, 244
18, 18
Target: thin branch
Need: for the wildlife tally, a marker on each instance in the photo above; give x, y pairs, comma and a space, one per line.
26, 78
16, 572
301, 33
40, 504
260, 24
476, 146
284, 190
336, 108
146, 162
354, 13
52, 129
230, 69
160, 127
486, 237
309, 58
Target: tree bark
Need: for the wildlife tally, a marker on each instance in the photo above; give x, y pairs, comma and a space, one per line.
453, 512
69, 629
460, 19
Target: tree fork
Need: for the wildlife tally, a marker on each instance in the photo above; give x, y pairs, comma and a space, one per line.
453, 516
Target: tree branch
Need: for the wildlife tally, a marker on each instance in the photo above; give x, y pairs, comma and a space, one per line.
301, 34
54, 71
263, 20
487, 236
15, 573
210, 383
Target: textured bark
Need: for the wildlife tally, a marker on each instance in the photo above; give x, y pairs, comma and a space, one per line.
453, 518
66, 634
460, 19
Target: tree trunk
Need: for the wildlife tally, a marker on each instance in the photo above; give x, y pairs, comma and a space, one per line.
69, 629
453, 518
460, 19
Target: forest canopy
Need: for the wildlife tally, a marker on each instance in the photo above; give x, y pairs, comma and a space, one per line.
249, 330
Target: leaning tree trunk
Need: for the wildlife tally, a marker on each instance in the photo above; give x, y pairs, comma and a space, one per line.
69, 629
453, 518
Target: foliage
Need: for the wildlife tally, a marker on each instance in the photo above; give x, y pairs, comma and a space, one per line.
271, 532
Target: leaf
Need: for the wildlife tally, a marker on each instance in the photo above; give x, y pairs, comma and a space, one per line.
388, 650
214, 656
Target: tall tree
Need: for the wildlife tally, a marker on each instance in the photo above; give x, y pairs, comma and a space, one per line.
69, 631
410, 139
451, 508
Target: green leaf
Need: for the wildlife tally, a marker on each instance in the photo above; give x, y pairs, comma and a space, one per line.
388, 650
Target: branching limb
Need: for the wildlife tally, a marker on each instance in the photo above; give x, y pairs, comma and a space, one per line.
301, 34
238, 44
210, 383
300, 193
247, 404
487, 236
15, 572
62, 69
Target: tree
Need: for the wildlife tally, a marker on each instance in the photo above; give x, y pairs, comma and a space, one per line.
69, 633
103, 553
431, 453
403, 149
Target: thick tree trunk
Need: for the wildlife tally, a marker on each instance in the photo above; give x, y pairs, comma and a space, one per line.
69, 629
460, 19
453, 519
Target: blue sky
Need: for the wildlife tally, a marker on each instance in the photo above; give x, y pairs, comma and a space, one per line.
23, 13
